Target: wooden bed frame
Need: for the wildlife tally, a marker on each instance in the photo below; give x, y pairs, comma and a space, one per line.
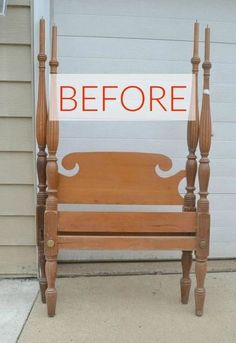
122, 178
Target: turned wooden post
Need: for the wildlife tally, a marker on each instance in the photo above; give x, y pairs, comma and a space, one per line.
50, 243
191, 166
193, 131
203, 229
41, 124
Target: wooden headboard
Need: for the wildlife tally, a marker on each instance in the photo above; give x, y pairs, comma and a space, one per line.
118, 178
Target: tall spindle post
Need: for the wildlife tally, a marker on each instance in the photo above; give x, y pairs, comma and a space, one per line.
41, 124
191, 166
203, 229
51, 248
193, 131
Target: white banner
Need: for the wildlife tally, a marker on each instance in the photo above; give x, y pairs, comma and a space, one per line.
122, 97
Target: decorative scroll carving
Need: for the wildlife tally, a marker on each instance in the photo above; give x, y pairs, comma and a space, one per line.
203, 175
119, 178
41, 123
52, 172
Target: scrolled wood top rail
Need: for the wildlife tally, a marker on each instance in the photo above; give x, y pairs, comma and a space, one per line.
118, 178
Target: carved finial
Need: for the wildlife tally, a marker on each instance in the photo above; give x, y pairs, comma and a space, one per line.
195, 59
53, 62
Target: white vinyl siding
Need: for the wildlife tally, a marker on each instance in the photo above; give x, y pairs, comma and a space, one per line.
19, 33
140, 36
17, 174
22, 104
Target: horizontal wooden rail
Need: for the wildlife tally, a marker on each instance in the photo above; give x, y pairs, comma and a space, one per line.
123, 222
126, 242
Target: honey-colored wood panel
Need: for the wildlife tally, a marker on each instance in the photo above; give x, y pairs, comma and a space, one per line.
17, 200
20, 260
16, 134
126, 242
21, 106
16, 168
17, 230
15, 63
124, 222
118, 178
15, 26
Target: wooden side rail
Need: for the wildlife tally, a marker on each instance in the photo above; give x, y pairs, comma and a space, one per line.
126, 242
127, 222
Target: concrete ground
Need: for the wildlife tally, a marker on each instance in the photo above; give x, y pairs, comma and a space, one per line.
129, 309
16, 300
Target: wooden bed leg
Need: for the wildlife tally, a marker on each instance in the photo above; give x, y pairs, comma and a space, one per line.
51, 292
42, 275
185, 282
200, 292
51, 251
